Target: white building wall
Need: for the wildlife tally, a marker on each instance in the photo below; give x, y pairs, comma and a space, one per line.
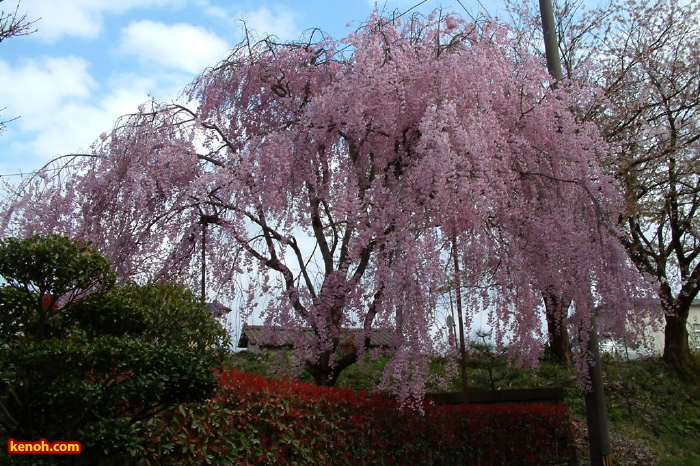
657, 336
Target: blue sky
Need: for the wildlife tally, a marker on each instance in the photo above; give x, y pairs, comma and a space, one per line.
91, 61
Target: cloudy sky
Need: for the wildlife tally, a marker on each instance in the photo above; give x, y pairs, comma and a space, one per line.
91, 61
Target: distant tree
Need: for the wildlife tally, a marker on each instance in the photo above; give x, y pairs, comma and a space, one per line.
13, 24
335, 174
85, 361
651, 79
643, 56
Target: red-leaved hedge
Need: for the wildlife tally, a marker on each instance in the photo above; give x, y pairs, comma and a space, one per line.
253, 420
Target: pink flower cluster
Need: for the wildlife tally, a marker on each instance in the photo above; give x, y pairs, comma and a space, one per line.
339, 174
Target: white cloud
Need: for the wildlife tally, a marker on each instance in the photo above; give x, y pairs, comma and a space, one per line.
211, 10
81, 18
64, 103
279, 23
63, 109
39, 88
78, 124
179, 46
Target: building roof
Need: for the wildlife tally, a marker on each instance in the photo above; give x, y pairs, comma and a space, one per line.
284, 338
217, 310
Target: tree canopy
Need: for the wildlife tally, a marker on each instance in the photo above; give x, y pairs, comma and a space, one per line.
643, 57
334, 175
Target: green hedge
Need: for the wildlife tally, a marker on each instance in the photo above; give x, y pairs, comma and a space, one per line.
254, 421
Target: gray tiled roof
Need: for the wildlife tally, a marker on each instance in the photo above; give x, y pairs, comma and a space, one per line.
217, 310
282, 337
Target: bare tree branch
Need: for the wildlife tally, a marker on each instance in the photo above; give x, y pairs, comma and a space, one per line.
14, 24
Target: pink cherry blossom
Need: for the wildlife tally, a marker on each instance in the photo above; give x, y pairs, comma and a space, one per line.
335, 174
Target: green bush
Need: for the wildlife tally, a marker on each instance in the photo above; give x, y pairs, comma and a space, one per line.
83, 360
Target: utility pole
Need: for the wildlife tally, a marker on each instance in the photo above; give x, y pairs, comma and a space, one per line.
551, 42
596, 411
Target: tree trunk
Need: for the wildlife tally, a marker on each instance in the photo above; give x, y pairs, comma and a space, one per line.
676, 348
325, 373
556, 310
323, 377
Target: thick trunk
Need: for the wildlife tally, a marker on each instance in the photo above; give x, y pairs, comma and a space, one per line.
322, 371
323, 376
325, 373
556, 310
676, 348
